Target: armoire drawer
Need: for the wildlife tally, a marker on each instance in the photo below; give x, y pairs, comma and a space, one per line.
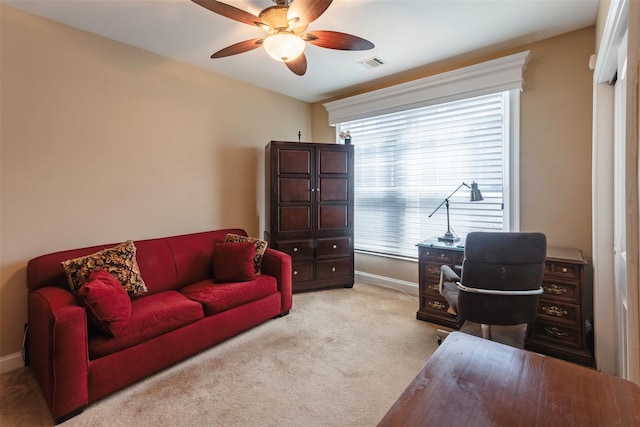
333, 247
302, 272
334, 268
297, 248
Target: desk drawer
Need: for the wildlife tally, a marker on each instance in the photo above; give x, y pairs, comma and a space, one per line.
432, 269
561, 269
556, 311
438, 255
428, 286
563, 335
567, 291
435, 304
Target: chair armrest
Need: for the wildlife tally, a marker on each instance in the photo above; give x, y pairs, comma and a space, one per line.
449, 274
278, 265
497, 292
58, 348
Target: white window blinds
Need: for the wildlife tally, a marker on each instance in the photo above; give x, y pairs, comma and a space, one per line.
407, 163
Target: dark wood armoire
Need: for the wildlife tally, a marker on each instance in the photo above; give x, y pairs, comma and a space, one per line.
309, 211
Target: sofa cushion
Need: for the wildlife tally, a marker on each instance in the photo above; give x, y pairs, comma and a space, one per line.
218, 297
261, 246
119, 260
151, 315
108, 304
233, 262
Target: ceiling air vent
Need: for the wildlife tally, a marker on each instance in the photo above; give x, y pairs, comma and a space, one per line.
372, 62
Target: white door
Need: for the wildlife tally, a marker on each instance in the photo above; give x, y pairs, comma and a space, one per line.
620, 224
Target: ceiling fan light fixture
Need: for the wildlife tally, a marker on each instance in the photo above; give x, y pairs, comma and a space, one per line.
284, 47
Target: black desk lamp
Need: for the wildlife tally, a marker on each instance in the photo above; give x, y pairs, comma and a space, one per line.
474, 197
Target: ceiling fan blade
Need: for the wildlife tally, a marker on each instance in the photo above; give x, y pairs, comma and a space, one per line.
237, 48
307, 10
229, 11
336, 40
298, 65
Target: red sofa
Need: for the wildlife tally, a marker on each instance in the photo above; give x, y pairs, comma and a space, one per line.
183, 313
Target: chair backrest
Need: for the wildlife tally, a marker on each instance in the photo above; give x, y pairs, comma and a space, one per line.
502, 261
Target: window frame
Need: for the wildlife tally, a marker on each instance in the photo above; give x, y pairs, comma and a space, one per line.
499, 75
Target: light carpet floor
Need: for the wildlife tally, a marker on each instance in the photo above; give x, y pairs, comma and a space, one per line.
340, 358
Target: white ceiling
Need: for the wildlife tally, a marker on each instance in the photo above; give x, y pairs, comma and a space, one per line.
407, 34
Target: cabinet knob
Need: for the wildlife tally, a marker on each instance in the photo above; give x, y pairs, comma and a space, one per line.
428, 253
335, 246
333, 269
564, 269
295, 272
295, 249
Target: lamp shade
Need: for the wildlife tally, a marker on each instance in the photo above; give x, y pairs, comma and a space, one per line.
284, 46
476, 195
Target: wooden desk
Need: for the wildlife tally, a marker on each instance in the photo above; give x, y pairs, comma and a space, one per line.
470, 381
565, 307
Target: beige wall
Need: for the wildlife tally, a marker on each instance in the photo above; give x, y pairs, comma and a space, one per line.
555, 143
102, 142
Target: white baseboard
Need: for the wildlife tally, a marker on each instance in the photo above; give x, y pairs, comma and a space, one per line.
401, 285
11, 362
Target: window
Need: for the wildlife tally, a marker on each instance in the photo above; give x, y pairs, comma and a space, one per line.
407, 163
418, 142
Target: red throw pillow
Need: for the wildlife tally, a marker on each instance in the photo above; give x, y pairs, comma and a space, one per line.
108, 304
233, 262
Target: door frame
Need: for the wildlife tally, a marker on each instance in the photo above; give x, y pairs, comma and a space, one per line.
618, 22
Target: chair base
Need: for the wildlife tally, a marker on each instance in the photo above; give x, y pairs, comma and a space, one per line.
442, 334
486, 331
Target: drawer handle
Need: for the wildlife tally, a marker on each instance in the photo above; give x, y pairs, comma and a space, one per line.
333, 269
437, 305
555, 332
433, 270
295, 272
335, 246
434, 287
295, 249
443, 255
555, 289
564, 269
555, 311
428, 253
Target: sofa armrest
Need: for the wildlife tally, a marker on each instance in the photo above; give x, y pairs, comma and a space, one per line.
278, 265
58, 349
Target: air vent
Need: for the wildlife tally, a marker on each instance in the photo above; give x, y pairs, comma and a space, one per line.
372, 62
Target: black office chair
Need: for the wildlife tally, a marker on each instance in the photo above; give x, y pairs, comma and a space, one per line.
501, 279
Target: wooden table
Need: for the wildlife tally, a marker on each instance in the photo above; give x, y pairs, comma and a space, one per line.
470, 381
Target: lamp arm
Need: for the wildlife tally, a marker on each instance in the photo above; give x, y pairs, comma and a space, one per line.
464, 184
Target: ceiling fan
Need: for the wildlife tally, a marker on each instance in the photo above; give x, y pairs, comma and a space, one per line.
286, 27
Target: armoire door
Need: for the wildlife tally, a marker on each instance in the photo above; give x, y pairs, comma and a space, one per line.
333, 190
295, 190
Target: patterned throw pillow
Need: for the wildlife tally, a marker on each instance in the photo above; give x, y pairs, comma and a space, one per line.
119, 261
261, 246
